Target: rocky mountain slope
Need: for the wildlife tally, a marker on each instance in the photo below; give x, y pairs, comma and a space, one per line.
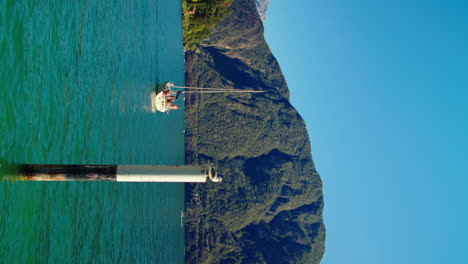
268, 209
262, 7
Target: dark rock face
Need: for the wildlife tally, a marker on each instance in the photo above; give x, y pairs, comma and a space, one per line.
268, 209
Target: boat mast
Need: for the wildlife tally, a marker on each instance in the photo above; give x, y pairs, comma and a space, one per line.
213, 90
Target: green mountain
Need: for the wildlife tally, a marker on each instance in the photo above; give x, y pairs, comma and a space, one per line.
268, 209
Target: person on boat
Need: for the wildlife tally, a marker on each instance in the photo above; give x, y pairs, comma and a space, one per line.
171, 107
170, 99
169, 104
170, 93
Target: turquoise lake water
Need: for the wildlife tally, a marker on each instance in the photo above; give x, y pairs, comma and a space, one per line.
75, 85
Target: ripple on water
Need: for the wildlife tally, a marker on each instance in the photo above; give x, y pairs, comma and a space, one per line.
74, 88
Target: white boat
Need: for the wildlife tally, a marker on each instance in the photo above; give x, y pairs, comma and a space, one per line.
159, 100
162, 100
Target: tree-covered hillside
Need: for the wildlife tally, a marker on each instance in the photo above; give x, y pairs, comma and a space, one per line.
199, 17
268, 209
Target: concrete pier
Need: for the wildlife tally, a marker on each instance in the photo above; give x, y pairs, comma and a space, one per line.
120, 173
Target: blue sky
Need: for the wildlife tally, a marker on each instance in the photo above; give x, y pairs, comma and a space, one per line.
383, 87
